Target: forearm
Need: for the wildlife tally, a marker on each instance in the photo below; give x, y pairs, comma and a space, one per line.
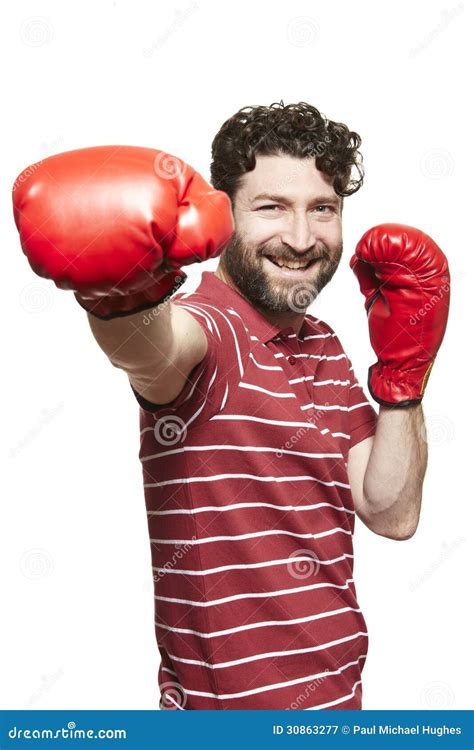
395, 471
141, 344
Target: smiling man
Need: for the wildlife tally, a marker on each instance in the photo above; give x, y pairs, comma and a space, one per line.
258, 445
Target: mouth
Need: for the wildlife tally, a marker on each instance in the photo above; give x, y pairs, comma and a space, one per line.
298, 271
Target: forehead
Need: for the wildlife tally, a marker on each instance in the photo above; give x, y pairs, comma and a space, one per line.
286, 175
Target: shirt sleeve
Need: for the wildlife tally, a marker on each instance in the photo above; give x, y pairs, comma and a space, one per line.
210, 383
362, 415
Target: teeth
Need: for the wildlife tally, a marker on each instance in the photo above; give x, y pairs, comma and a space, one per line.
289, 264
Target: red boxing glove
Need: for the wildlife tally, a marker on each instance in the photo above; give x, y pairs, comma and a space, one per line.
404, 277
115, 224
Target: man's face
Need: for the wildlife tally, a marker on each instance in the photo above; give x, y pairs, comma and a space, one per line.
287, 211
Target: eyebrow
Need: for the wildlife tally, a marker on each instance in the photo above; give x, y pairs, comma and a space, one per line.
281, 198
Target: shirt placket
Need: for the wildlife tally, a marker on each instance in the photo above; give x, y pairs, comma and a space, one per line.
297, 368
301, 366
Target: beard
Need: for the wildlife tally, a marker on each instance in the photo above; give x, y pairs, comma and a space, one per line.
246, 268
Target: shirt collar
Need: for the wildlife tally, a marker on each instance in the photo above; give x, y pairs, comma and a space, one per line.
213, 287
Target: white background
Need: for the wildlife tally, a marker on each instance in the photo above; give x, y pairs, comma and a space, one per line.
77, 623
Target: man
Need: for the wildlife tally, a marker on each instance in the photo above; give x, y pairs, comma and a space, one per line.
258, 445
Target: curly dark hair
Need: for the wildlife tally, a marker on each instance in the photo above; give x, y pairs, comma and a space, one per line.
295, 129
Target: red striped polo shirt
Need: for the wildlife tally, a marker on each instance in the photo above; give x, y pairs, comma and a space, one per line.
251, 516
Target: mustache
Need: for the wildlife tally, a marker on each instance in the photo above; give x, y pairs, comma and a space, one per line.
297, 258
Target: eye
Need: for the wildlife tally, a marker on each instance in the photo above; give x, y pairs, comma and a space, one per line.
268, 208
323, 205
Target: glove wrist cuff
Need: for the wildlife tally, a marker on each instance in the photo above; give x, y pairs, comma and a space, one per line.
109, 307
398, 388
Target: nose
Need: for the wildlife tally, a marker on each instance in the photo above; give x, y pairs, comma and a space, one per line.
298, 233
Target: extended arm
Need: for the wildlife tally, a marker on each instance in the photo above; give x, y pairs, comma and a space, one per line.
116, 224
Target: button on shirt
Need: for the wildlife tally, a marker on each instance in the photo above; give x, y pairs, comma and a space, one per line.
251, 515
